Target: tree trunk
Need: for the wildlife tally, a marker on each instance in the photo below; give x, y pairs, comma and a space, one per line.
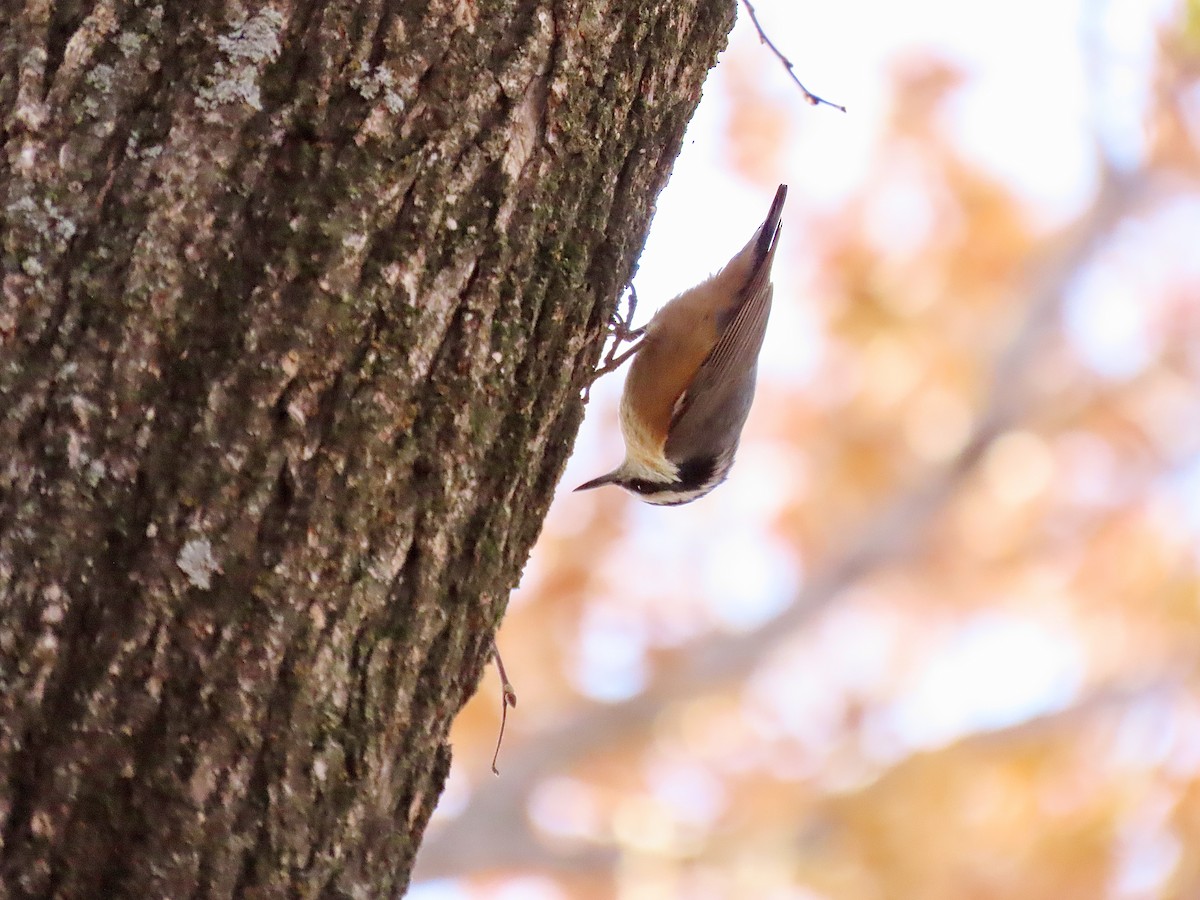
297, 304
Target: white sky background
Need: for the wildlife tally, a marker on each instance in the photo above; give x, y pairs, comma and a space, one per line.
1025, 115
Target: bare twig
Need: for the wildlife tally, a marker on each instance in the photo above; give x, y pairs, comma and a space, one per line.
508, 697
812, 98
621, 333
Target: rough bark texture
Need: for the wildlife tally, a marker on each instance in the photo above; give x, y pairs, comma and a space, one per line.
297, 303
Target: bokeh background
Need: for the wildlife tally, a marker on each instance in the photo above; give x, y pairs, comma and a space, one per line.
939, 634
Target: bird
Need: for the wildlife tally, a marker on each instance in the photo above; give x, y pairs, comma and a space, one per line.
691, 382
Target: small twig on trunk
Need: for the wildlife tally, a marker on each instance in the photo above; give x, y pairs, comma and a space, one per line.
812, 98
508, 698
621, 333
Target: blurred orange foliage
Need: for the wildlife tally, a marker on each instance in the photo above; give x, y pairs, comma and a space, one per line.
957, 508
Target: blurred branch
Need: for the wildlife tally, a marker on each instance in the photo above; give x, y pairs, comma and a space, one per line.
494, 823
813, 99
1172, 680
1166, 688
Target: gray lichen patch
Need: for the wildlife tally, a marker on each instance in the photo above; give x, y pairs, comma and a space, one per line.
247, 47
198, 563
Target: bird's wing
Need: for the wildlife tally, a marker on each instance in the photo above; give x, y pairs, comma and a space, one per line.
736, 350
738, 346
710, 414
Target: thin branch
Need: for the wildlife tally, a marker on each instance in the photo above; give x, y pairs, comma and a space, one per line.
508, 697
813, 99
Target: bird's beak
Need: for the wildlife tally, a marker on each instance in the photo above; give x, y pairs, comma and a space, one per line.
608, 478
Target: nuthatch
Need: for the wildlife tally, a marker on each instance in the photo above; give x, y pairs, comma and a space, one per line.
691, 382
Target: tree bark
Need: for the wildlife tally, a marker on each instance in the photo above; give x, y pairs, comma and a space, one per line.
297, 303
